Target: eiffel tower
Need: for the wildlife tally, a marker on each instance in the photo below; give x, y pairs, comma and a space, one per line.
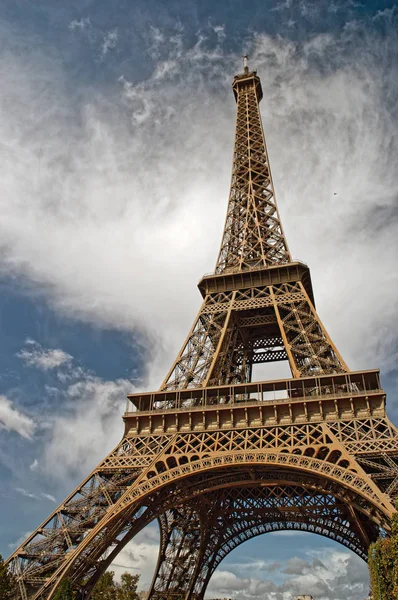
216, 458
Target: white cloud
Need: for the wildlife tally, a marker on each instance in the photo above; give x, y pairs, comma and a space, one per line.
109, 41
89, 426
34, 496
282, 6
118, 233
13, 419
18, 542
219, 30
155, 40
328, 575
81, 24
49, 497
34, 465
26, 493
34, 355
226, 582
139, 556
84, 423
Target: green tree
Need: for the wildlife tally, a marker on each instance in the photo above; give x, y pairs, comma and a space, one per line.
383, 565
7, 581
64, 591
106, 588
127, 589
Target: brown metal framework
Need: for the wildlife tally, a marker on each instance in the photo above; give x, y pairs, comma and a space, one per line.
215, 457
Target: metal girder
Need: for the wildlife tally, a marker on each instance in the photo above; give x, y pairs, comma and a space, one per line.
180, 547
249, 512
219, 349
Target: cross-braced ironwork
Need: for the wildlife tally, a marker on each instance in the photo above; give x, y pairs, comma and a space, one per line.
215, 457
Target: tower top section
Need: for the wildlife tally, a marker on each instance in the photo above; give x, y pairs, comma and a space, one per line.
247, 79
253, 237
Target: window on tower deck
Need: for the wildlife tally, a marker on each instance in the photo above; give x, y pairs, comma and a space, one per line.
269, 372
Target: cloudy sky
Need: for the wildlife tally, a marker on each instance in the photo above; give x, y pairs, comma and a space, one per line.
116, 133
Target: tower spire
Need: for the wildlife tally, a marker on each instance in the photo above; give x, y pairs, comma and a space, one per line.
253, 236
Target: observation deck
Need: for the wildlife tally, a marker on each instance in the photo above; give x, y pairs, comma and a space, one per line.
264, 276
323, 398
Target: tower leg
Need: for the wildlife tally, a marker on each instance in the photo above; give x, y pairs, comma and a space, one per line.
191, 537
179, 553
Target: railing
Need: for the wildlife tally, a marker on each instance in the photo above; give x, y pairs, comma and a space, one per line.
340, 385
238, 270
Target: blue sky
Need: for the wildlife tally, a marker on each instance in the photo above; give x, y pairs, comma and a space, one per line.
116, 132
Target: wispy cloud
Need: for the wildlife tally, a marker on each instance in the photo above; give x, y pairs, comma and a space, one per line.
282, 6
140, 556
34, 355
20, 539
26, 493
12, 419
34, 496
155, 40
89, 425
138, 214
109, 41
49, 497
80, 24
220, 32
87, 421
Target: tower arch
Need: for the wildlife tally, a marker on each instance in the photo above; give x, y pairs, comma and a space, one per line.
183, 498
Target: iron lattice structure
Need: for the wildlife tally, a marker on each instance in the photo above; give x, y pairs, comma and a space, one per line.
215, 457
